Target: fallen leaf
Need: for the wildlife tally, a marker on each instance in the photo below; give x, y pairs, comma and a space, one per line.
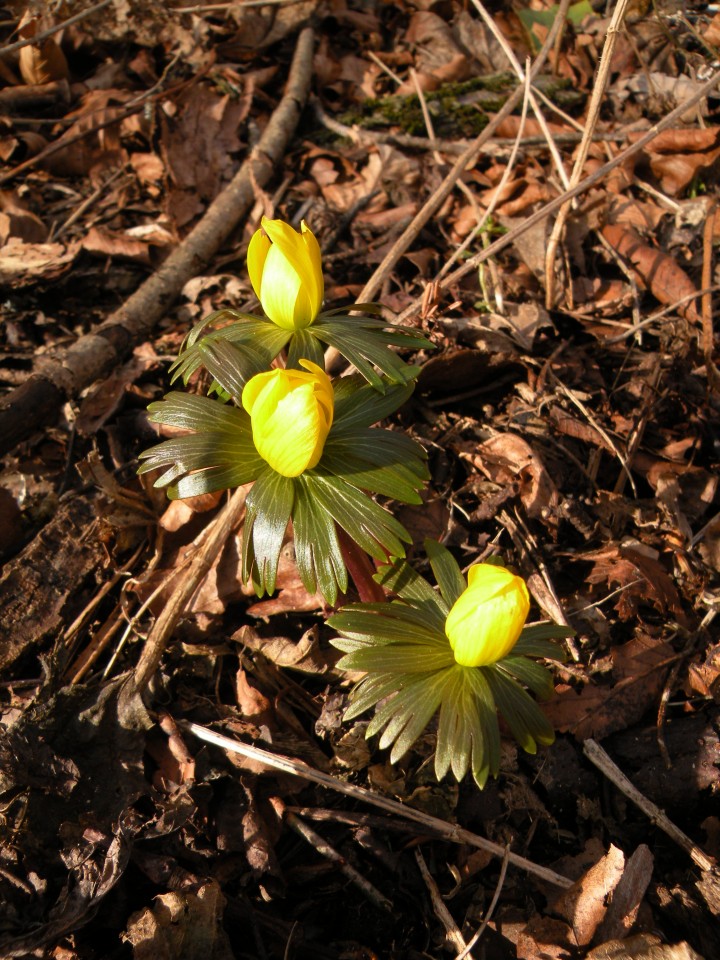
186, 923
638, 675
508, 458
654, 270
41, 63
584, 905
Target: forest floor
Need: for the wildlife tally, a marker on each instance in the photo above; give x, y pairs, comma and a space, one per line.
569, 405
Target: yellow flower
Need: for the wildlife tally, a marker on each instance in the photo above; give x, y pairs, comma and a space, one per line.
285, 270
291, 413
487, 618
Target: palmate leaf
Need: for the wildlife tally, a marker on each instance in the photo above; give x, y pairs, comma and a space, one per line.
368, 692
418, 694
375, 530
371, 625
230, 365
402, 579
244, 330
530, 673
220, 455
267, 512
399, 658
366, 350
190, 412
304, 346
362, 406
378, 461
317, 550
447, 572
528, 723
534, 641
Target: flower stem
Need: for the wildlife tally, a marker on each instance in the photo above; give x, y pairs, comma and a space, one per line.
360, 569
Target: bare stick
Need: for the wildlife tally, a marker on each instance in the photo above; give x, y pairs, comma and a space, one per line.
222, 526
544, 212
330, 853
447, 831
51, 31
594, 752
63, 376
452, 931
433, 203
519, 72
592, 119
490, 910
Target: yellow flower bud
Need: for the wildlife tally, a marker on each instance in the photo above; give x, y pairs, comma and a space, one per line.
291, 413
487, 618
285, 270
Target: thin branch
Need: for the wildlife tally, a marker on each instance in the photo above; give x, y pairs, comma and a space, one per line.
542, 213
592, 119
447, 831
595, 753
51, 31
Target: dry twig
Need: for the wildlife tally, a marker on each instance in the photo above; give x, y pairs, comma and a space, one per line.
595, 753
56, 379
592, 119
447, 831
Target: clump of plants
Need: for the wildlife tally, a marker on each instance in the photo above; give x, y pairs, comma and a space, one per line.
317, 459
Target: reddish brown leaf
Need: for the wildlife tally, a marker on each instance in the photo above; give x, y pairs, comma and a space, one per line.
655, 270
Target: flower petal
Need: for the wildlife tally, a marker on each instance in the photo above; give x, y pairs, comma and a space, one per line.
256, 255
316, 289
281, 284
486, 620
292, 458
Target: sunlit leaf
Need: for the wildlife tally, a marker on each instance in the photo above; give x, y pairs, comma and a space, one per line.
317, 550
371, 527
268, 509
447, 572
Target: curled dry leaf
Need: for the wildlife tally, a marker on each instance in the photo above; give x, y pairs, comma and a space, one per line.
584, 905
185, 923
655, 270
507, 458
639, 670
43, 63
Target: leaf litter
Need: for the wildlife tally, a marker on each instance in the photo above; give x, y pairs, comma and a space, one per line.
581, 441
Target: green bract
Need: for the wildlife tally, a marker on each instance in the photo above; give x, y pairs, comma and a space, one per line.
362, 340
356, 460
411, 673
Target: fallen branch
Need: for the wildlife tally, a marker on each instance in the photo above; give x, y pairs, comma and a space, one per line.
448, 831
595, 753
62, 377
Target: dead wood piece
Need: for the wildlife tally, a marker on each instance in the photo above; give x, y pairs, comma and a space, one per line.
94, 355
41, 589
595, 753
34, 95
448, 831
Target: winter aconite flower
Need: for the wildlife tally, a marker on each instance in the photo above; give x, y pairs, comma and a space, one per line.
285, 270
311, 453
291, 412
286, 273
413, 674
486, 620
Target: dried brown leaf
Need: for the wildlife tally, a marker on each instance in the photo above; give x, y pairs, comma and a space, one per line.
584, 905
654, 270
508, 458
44, 63
185, 924
639, 670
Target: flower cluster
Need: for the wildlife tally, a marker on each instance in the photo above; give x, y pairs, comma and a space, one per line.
316, 459
462, 653
309, 445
